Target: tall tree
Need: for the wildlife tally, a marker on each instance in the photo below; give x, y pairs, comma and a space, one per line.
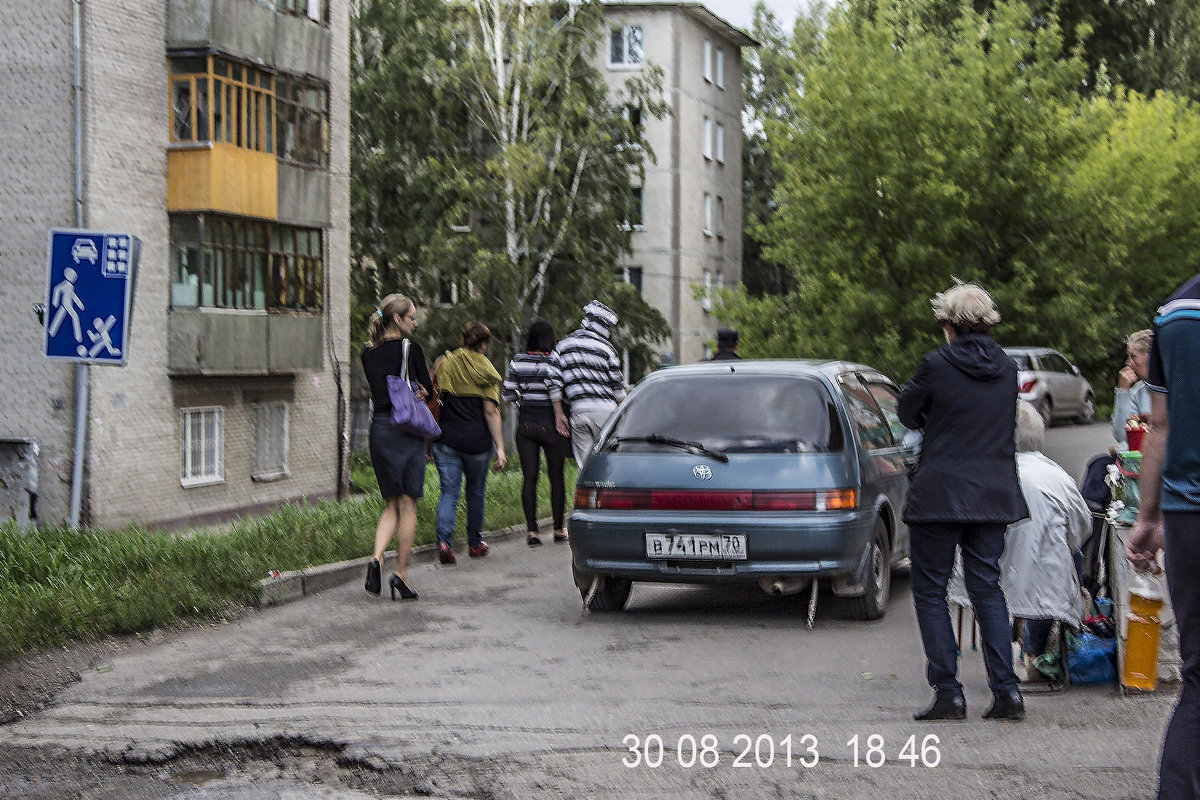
916, 153
495, 167
559, 155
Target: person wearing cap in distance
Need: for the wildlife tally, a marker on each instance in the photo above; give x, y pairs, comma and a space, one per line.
727, 344
589, 378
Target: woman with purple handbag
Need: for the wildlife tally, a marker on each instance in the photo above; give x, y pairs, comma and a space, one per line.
397, 454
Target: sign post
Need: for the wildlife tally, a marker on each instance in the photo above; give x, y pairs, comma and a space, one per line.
89, 295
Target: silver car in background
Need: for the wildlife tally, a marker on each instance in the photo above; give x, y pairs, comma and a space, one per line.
1053, 385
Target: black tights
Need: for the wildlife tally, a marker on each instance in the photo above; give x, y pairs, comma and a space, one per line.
535, 433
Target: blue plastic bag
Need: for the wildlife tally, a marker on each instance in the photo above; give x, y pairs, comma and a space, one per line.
1092, 659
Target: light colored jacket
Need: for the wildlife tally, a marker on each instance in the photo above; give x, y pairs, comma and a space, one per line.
1126, 403
1037, 570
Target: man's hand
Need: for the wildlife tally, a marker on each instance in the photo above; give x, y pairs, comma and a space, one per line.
500, 461
561, 425
1144, 544
1126, 378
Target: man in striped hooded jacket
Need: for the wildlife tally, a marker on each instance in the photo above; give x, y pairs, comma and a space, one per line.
590, 377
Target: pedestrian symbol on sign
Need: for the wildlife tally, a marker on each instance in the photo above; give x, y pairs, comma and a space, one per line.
90, 277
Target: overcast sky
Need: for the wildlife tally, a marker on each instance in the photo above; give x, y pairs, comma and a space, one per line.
741, 12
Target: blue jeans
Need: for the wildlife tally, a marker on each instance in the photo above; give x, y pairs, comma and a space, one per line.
452, 467
932, 551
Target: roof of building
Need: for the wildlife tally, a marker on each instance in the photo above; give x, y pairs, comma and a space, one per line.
695, 10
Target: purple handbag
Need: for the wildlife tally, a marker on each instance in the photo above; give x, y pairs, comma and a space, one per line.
411, 414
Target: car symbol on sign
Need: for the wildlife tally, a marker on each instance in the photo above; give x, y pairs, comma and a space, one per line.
702, 472
84, 248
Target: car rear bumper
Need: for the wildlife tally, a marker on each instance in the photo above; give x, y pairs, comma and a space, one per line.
803, 544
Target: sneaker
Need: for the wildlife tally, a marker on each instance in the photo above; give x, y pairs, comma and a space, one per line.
445, 554
479, 552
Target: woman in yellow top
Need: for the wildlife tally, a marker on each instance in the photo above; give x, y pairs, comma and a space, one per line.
469, 388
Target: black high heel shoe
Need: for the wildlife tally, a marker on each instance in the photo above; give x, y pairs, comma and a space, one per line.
374, 581
398, 585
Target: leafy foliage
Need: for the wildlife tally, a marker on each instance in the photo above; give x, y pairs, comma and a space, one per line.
513, 208
920, 146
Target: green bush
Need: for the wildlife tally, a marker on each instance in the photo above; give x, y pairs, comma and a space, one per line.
61, 584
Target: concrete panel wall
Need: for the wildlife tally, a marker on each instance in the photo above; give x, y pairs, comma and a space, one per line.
243, 28
302, 47
303, 196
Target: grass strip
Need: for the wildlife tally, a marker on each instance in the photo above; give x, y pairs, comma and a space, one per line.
59, 584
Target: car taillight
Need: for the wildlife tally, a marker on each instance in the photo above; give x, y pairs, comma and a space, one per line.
718, 500
1028, 385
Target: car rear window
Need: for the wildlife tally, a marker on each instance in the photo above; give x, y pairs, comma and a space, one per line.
735, 413
1022, 360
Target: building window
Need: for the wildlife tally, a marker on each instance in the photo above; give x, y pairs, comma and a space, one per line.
214, 99
634, 217
451, 288
632, 276
708, 65
720, 217
302, 118
720, 143
202, 434
720, 68
625, 46
233, 262
706, 144
631, 136
706, 302
316, 10
270, 441
708, 214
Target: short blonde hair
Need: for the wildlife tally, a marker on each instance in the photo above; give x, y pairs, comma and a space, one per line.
1031, 428
1140, 341
965, 307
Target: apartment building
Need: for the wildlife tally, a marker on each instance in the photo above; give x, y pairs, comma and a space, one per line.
689, 233
216, 131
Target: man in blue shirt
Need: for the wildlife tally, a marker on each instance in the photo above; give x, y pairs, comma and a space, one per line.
1169, 517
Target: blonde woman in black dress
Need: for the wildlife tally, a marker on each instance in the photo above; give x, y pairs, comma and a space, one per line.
398, 457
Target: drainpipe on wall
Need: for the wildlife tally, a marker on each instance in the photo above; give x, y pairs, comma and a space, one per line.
81, 370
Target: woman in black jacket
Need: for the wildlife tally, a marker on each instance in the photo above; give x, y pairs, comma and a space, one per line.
963, 495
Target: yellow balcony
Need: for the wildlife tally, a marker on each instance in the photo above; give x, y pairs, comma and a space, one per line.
223, 177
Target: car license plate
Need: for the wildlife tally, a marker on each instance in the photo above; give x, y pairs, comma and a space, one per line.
699, 546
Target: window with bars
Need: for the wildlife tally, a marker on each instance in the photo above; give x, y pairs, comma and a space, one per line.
214, 99
220, 261
302, 118
270, 441
625, 46
202, 433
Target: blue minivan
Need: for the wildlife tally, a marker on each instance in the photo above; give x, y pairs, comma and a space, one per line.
767, 472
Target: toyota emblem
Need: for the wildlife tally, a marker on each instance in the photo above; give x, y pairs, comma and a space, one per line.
702, 472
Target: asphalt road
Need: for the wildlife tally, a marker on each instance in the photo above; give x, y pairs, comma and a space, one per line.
496, 684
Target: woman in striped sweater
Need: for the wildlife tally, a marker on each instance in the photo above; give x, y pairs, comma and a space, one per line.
527, 385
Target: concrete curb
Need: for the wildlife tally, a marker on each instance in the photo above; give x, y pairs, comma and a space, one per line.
298, 584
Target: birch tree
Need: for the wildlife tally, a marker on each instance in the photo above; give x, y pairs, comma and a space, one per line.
559, 153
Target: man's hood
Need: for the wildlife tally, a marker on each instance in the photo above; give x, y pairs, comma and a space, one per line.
977, 356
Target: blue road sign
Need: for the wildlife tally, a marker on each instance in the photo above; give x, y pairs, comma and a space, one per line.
89, 294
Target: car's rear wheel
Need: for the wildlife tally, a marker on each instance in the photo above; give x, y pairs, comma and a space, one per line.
1087, 414
1046, 409
878, 583
611, 594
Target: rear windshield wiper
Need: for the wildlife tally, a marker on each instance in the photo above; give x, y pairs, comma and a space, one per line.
655, 438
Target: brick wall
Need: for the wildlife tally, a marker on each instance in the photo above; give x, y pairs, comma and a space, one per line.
133, 461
